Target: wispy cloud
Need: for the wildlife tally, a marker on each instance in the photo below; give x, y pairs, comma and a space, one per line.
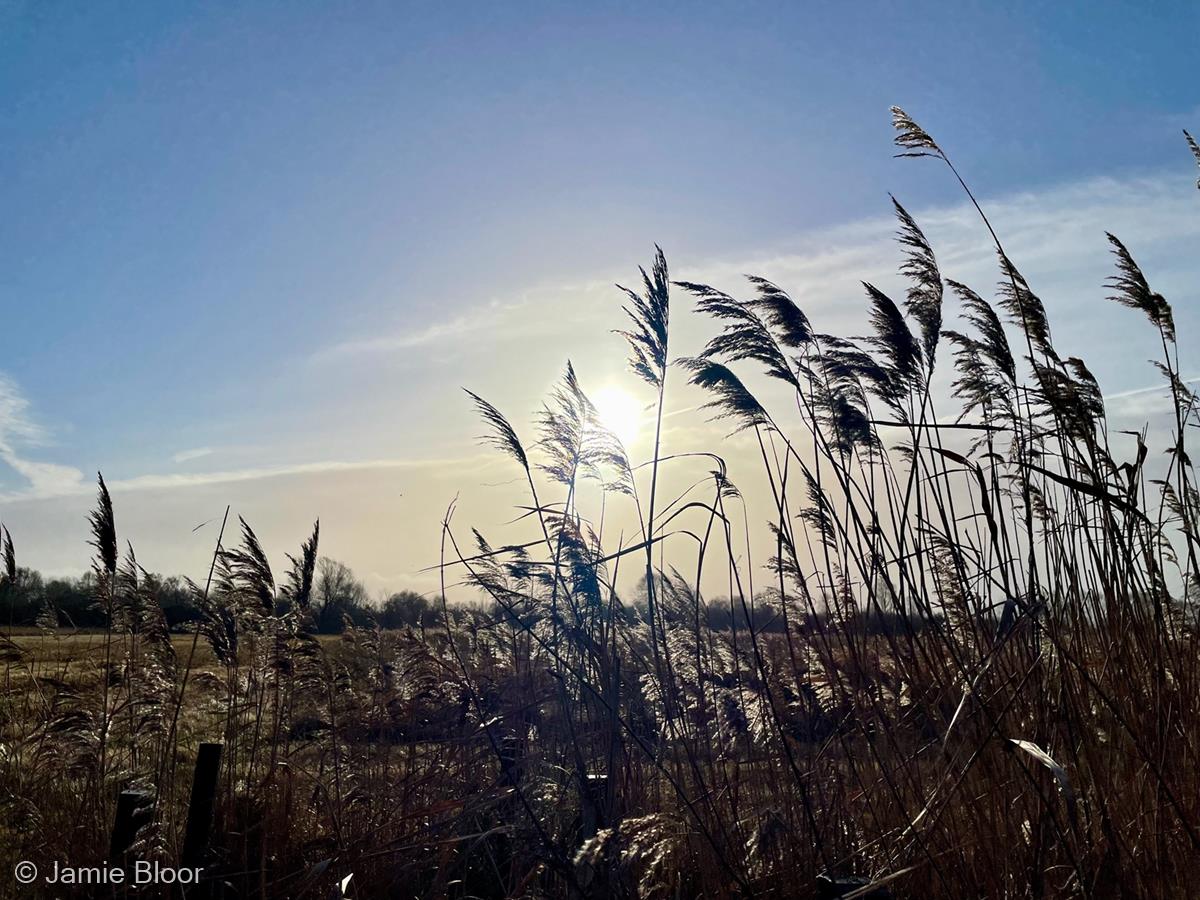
158, 482
480, 321
403, 340
45, 479
188, 455
1151, 405
79, 486
18, 432
1150, 390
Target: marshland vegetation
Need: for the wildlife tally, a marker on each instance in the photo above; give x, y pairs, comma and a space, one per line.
970, 667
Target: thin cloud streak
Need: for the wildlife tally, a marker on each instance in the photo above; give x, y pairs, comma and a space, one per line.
1149, 389
179, 481
47, 480
482, 320
188, 455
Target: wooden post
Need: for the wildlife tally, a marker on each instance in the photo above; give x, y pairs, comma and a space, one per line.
134, 809
200, 807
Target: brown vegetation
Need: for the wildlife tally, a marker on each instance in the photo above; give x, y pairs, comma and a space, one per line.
980, 677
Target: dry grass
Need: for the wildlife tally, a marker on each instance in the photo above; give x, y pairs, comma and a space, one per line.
980, 677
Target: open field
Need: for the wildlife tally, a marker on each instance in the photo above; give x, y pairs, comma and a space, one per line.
971, 668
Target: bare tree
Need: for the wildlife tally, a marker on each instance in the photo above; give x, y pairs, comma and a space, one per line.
339, 594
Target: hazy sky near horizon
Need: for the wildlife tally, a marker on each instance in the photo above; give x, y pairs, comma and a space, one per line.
251, 253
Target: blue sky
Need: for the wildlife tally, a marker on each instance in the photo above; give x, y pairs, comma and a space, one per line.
240, 239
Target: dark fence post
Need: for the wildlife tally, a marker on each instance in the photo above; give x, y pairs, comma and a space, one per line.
134, 809
200, 807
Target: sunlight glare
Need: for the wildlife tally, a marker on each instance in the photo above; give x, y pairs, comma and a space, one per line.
620, 412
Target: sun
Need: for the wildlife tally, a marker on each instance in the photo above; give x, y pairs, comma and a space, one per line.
620, 412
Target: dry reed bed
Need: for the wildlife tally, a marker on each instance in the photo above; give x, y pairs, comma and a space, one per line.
980, 679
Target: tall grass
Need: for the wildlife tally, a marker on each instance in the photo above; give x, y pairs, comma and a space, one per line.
972, 670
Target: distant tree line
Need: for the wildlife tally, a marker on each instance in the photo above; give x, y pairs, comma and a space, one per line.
71, 602
340, 597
